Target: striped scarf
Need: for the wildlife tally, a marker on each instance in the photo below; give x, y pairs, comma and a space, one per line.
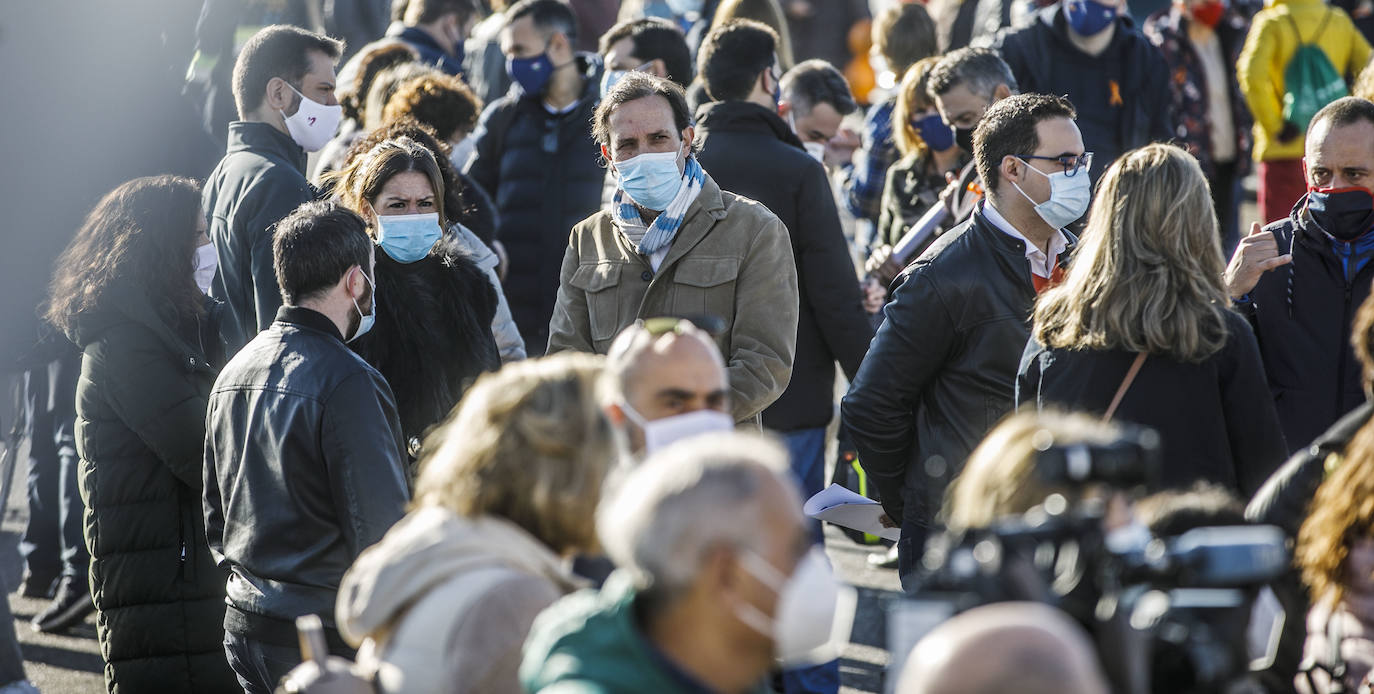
653, 238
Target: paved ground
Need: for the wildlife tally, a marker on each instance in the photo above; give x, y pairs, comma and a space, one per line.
71, 664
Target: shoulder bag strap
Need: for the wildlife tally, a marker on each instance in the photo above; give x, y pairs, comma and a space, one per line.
1125, 385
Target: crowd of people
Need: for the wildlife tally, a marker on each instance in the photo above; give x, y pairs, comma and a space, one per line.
508, 339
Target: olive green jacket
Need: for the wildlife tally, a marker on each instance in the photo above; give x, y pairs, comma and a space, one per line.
731, 259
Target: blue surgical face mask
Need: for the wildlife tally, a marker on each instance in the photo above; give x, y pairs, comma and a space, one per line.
1069, 197
1088, 17
532, 74
608, 80
408, 237
937, 136
651, 180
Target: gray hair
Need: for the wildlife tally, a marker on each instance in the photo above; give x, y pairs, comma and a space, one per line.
980, 70
815, 82
683, 502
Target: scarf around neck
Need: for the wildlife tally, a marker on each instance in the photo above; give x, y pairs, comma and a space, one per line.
652, 238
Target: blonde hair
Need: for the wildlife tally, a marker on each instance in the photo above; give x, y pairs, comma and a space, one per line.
1148, 275
768, 12
912, 99
999, 478
529, 444
1341, 513
1364, 83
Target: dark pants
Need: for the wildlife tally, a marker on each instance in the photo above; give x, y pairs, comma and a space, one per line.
259, 666
1226, 199
11, 658
53, 544
806, 448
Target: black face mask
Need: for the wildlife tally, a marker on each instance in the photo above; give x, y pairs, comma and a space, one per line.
1344, 213
964, 138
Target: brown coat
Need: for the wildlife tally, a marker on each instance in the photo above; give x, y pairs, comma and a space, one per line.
731, 258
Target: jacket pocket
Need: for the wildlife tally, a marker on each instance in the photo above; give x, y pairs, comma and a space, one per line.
706, 287
599, 281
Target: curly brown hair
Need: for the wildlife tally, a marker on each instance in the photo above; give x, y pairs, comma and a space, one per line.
133, 241
1341, 513
442, 102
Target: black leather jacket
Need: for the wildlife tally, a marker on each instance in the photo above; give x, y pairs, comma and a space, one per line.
942, 369
303, 466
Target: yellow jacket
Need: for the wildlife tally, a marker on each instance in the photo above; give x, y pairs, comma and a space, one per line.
1269, 46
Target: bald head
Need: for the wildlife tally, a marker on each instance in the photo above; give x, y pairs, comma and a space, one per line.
1023, 647
665, 374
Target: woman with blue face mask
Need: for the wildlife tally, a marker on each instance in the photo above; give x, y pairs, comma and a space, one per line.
434, 305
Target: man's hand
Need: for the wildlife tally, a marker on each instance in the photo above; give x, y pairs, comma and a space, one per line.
886, 522
1257, 254
839, 150
875, 294
881, 267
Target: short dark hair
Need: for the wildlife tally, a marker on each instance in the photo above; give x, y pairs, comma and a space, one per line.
633, 87
1344, 111
1174, 512
280, 50
430, 11
980, 70
653, 39
1008, 129
733, 55
549, 16
814, 82
904, 34
372, 60
314, 246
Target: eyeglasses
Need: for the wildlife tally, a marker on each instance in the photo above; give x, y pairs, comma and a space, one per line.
1071, 163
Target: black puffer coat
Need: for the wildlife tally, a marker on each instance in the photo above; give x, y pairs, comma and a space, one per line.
433, 333
544, 172
140, 433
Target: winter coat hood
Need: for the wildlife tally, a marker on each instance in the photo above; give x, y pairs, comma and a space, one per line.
426, 549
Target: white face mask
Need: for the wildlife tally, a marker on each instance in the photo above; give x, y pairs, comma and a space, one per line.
313, 124
207, 261
1069, 197
365, 322
814, 612
659, 433
461, 152
816, 150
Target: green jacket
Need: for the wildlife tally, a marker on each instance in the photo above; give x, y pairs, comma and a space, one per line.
588, 643
731, 258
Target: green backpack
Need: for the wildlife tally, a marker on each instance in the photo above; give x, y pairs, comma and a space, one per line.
1310, 81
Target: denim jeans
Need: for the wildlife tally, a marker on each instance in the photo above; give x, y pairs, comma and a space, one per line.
806, 449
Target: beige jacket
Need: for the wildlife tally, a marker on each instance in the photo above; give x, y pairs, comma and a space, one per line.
443, 603
731, 259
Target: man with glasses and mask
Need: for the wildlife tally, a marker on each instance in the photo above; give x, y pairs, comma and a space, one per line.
303, 453
672, 243
535, 156
942, 369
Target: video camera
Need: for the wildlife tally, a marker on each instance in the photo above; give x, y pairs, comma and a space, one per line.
1168, 614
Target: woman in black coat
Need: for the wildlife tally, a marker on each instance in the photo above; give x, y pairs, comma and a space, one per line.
124, 292
433, 334
1147, 280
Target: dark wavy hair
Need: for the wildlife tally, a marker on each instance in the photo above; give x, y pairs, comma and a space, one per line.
141, 236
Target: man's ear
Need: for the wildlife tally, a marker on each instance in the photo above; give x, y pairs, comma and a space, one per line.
606, 154
784, 108
658, 69
689, 136
615, 414
279, 95
1010, 168
1001, 92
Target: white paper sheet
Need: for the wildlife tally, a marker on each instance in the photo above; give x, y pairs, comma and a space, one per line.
838, 505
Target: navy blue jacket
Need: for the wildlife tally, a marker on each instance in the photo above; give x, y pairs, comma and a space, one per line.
431, 53
1122, 95
259, 181
544, 172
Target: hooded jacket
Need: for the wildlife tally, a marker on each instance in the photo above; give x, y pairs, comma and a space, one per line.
1121, 95
140, 407
1269, 46
443, 603
1302, 315
543, 170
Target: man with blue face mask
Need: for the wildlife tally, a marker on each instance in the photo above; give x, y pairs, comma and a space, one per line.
672, 243
534, 155
942, 369
1091, 52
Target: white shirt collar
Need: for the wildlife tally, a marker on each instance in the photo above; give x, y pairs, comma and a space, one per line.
1040, 263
